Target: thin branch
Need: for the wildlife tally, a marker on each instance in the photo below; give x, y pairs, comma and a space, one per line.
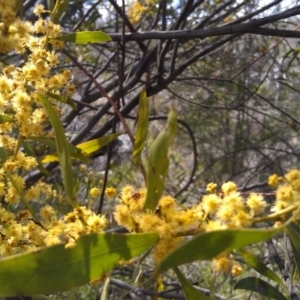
127, 23
164, 295
194, 34
253, 27
270, 102
256, 12
208, 19
253, 187
185, 13
265, 52
103, 92
82, 20
138, 291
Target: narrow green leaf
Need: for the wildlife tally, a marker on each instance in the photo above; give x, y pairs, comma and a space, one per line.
4, 154
18, 145
72, 294
59, 9
75, 151
19, 7
55, 268
63, 150
210, 244
5, 119
92, 146
142, 128
85, 37
259, 286
293, 232
190, 292
158, 161
50, 4
43, 170
63, 99
30, 151
297, 259
50, 142
21, 194
28, 148
260, 267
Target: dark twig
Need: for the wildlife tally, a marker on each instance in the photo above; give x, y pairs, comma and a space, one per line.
127, 287
77, 25
164, 295
194, 34
119, 10
102, 90
253, 26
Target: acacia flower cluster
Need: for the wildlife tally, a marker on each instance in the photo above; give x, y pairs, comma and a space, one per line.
23, 118
227, 209
20, 107
219, 209
287, 192
137, 9
20, 233
167, 220
12, 29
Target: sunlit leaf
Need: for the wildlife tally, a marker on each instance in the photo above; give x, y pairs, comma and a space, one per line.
190, 292
208, 245
158, 161
261, 287
142, 128
92, 146
75, 151
63, 150
49, 158
5, 119
85, 37
258, 266
55, 268
80, 151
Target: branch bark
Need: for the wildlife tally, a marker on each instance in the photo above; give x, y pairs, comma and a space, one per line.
253, 27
